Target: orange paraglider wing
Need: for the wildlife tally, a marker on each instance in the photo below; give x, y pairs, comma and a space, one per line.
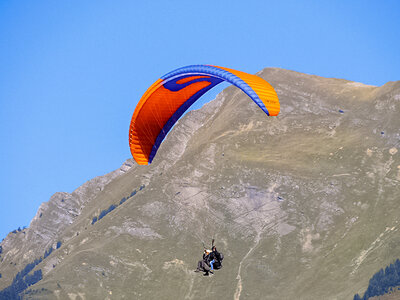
170, 96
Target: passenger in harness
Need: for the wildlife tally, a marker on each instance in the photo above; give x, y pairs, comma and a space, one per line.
204, 264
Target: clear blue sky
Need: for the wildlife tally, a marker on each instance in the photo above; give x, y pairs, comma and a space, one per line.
71, 72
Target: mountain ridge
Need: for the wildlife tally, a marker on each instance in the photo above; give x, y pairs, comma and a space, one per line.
283, 197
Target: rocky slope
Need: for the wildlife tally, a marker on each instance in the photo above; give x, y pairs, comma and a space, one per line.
303, 205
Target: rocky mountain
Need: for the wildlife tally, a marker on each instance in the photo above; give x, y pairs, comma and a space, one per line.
303, 205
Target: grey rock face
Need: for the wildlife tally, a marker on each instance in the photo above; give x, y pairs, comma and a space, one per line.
49, 224
303, 205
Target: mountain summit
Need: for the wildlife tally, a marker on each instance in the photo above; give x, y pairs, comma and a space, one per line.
303, 205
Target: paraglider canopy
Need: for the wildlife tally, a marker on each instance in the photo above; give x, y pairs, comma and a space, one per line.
169, 97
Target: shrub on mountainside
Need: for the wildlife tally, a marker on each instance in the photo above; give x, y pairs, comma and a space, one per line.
21, 281
48, 252
35, 277
106, 211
